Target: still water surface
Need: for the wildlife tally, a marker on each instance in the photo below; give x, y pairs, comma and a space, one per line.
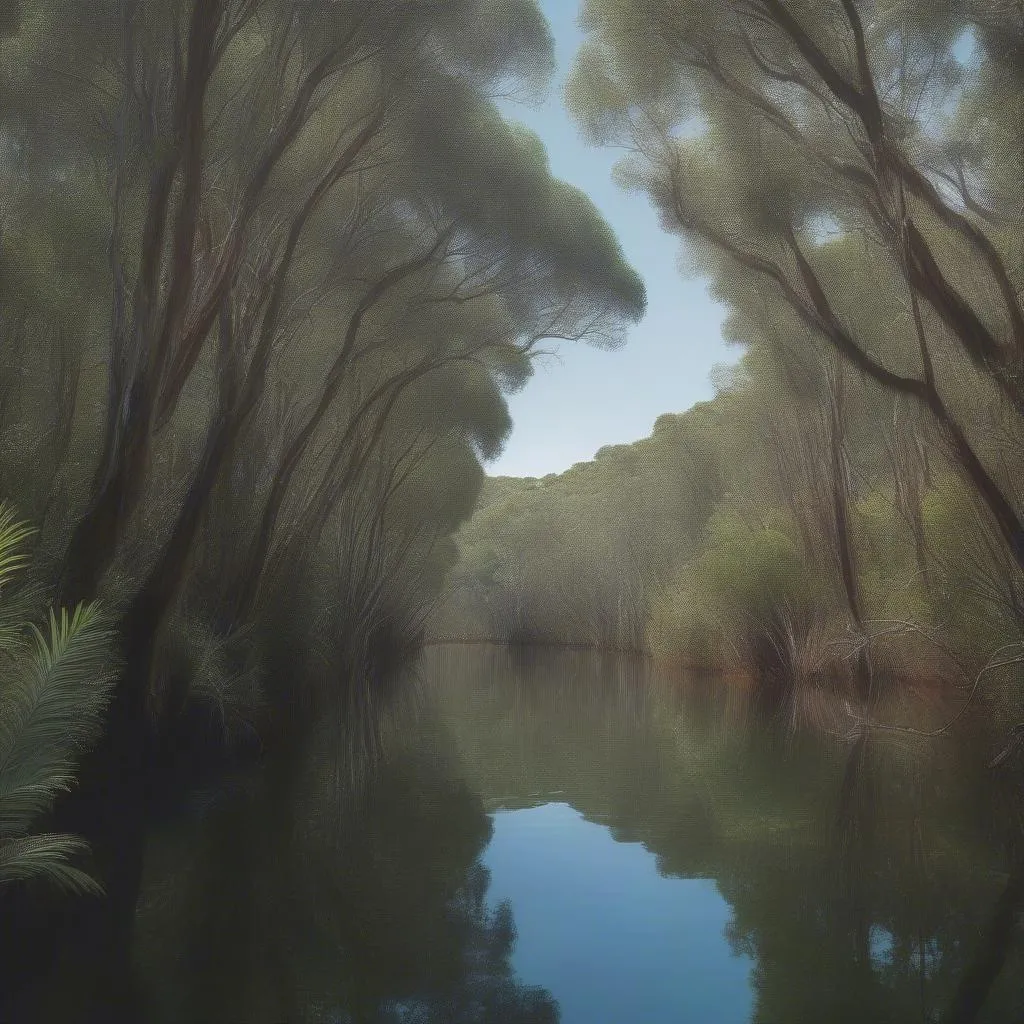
607, 935
567, 836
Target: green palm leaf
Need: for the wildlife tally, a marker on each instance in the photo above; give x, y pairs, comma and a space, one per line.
46, 856
13, 558
50, 711
12, 535
53, 700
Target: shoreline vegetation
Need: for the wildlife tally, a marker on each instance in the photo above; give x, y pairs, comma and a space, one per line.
847, 512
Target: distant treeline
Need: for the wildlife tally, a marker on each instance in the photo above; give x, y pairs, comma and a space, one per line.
717, 541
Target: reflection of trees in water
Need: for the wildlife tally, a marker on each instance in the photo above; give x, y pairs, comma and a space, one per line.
520, 719
869, 882
302, 899
879, 912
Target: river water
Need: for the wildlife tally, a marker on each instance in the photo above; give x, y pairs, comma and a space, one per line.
556, 835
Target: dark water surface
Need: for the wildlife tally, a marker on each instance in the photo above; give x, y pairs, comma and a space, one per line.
565, 836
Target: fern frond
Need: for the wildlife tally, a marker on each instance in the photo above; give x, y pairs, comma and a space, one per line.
12, 536
54, 693
13, 558
50, 710
21, 804
46, 857
16, 611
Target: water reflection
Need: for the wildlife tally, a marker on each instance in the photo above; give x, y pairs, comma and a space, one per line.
604, 932
870, 881
782, 877
305, 896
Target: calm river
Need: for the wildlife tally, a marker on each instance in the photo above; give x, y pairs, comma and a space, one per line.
544, 836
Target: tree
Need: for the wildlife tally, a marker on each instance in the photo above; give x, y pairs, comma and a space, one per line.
756, 127
254, 243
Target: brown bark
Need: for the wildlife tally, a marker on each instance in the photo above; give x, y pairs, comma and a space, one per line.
839, 485
152, 364
140, 356
292, 456
887, 173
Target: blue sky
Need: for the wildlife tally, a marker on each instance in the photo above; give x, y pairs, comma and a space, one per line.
588, 398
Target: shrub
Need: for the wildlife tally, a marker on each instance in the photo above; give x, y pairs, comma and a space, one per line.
747, 598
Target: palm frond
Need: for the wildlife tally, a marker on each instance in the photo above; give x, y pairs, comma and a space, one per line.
21, 804
12, 535
53, 698
17, 609
50, 710
46, 857
13, 559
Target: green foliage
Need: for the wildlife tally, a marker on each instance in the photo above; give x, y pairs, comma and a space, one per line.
53, 701
720, 536
577, 557
893, 584
13, 559
260, 318
683, 627
749, 572
746, 583
840, 181
978, 590
46, 856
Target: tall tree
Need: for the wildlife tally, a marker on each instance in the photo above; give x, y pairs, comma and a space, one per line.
758, 127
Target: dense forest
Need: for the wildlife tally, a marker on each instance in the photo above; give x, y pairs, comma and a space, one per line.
268, 271
848, 510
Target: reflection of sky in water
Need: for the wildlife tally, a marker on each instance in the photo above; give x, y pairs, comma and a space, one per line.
883, 945
881, 942
612, 940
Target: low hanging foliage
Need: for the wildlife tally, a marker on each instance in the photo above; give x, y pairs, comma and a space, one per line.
54, 693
